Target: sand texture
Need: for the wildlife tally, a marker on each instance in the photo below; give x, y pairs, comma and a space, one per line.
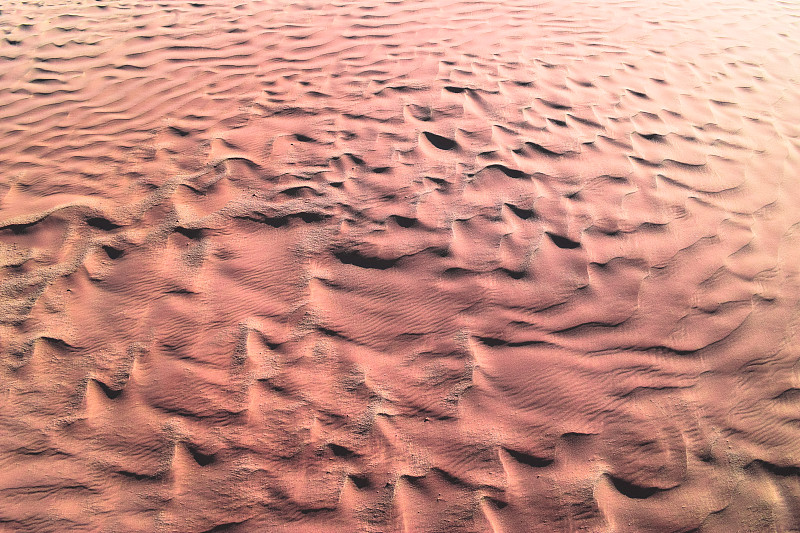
418, 266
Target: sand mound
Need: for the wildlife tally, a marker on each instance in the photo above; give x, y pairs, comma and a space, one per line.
399, 266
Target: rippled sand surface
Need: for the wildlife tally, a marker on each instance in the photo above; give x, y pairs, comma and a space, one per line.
399, 266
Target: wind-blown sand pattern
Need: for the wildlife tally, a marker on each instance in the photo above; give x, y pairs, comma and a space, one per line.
399, 266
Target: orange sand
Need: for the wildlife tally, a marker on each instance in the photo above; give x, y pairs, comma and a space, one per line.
399, 266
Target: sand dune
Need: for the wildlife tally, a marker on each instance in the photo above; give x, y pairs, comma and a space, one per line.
399, 266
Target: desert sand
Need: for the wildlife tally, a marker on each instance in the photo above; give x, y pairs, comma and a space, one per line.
440, 266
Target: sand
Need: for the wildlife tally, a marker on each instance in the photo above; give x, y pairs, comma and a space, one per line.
410, 266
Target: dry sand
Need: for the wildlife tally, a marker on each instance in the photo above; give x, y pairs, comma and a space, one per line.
399, 266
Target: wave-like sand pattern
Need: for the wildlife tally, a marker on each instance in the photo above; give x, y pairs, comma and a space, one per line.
400, 266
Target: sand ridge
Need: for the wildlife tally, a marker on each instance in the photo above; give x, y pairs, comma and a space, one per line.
399, 266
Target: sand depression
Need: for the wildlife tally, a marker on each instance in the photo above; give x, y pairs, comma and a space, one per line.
399, 266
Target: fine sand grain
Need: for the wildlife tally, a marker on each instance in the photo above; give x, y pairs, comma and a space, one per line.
419, 266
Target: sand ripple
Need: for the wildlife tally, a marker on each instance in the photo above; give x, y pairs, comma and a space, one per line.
399, 266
